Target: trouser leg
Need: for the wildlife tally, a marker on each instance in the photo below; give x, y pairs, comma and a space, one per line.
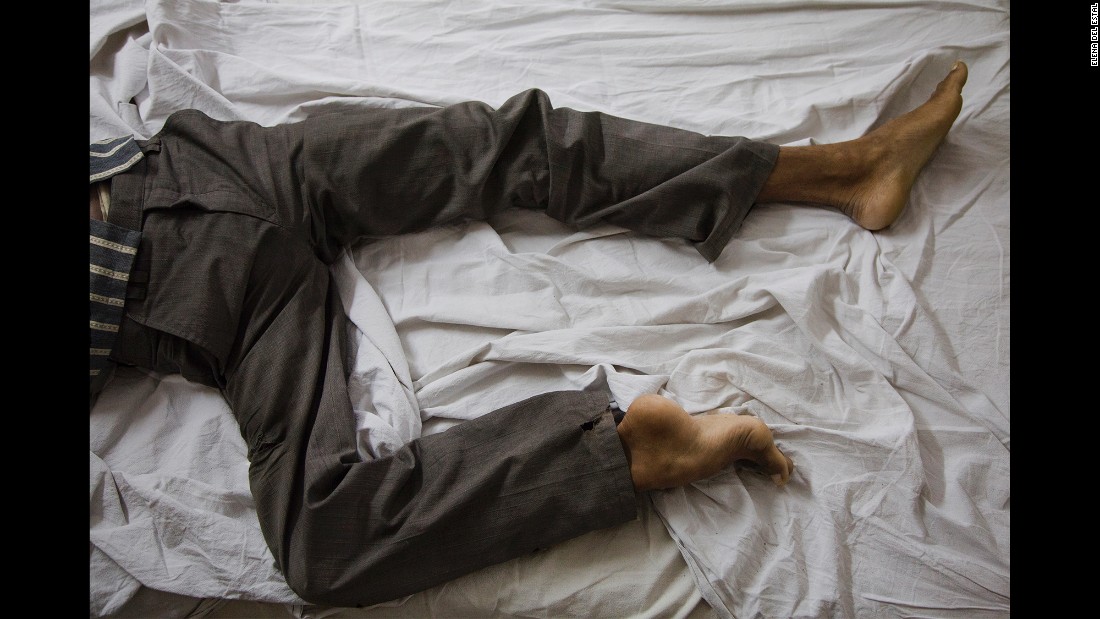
350, 532
378, 173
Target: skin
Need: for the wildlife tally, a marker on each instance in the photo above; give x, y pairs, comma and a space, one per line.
666, 447
869, 180
96, 210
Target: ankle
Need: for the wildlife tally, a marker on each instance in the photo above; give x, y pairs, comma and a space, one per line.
821, 174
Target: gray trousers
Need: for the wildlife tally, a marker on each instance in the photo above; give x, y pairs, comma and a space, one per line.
240, 223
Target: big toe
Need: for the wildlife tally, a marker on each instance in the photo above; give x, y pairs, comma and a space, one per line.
775, 464
956, 78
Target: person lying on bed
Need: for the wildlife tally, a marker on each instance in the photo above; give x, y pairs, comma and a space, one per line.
210, 251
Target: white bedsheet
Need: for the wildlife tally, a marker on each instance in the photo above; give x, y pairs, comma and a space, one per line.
880, 360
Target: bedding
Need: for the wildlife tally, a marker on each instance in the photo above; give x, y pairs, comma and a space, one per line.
880, 360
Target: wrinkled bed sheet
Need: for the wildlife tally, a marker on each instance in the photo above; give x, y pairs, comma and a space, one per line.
881, 361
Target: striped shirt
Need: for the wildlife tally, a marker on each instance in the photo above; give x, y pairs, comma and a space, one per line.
111, 253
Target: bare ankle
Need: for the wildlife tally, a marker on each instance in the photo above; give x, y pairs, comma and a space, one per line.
869, 179
819, 175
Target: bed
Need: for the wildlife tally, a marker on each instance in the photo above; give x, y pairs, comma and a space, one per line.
881, 360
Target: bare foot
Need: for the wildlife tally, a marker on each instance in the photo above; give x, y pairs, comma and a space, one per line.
899, 150
869, 178
666, 447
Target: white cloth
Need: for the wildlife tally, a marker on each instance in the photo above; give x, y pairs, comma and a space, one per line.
881, 361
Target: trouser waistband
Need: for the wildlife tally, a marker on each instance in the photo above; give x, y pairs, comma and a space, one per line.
125, 210
128, 193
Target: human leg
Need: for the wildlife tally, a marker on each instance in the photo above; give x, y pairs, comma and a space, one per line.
869, 178
349, 531
381, 172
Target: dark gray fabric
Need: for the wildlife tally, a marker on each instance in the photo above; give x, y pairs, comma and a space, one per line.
240, 223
